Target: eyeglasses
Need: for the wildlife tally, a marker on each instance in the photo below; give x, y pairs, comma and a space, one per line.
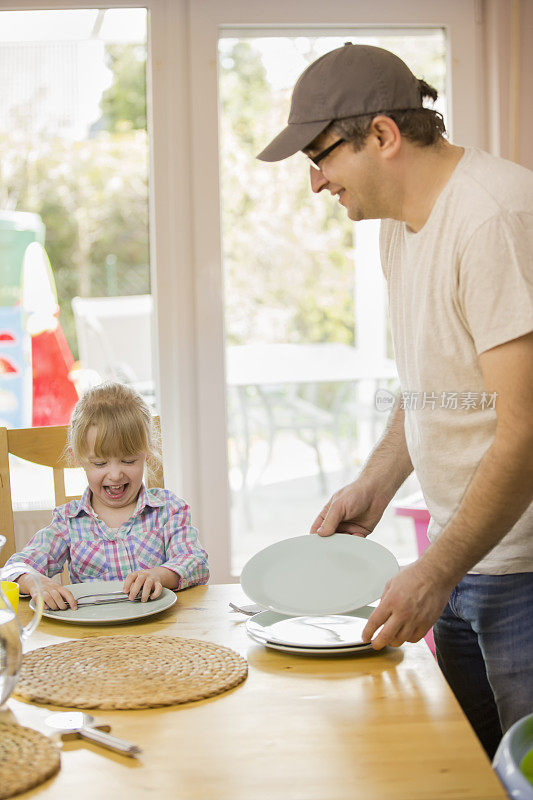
323, 153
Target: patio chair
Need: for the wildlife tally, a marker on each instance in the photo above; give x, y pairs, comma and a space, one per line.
115, 339
269, 410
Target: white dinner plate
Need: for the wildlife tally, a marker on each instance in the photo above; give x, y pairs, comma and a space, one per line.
311, 651
109, 613
314, 575
335, 630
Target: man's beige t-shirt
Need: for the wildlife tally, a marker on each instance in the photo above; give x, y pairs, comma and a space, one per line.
461, 285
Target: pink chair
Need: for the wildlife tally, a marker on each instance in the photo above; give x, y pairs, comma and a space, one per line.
415, 507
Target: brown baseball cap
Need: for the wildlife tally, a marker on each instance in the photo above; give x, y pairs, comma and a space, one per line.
353, 80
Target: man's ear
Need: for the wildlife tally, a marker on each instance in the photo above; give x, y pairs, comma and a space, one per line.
386, 135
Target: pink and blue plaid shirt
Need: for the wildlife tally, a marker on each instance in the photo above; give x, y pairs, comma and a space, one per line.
158, 534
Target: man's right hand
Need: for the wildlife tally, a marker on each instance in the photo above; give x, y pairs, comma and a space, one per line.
355, 509
56, 597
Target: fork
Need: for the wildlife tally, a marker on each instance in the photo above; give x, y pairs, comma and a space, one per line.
248, 610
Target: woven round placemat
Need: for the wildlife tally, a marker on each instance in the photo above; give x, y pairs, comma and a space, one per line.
27, 758
128, 672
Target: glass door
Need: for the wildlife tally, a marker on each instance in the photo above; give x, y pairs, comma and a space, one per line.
306, 334
74, 232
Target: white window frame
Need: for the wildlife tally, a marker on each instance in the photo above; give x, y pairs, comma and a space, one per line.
185, 206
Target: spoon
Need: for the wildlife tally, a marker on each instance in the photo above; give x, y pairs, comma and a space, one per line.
83, 725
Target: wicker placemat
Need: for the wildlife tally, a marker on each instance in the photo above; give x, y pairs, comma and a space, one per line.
128, 672
27, 758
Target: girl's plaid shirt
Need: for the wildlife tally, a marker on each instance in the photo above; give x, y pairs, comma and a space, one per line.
159, 533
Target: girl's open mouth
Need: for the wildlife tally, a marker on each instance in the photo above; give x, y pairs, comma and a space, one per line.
116, 492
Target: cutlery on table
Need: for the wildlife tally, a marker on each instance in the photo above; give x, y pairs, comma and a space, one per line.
249, 610
82, 724
100, 599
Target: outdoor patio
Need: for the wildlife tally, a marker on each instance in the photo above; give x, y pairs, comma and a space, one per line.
286, 498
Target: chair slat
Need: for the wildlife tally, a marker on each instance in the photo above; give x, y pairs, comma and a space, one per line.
7, 527
59, 486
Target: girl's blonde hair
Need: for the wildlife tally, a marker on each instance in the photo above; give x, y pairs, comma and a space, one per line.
123, 422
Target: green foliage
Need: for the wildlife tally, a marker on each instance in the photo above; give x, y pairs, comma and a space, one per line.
287, 273
92, 195
124, 103
288, 267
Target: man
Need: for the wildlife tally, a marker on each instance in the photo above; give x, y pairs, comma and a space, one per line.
456, 246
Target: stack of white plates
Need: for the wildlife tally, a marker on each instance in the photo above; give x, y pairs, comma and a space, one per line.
317, 589
327, 635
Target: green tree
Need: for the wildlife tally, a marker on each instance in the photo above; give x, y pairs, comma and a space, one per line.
124, 103
92, 195
288, 273
288, 263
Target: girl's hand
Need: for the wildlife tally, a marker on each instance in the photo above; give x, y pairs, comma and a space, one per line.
55, 596
146, 580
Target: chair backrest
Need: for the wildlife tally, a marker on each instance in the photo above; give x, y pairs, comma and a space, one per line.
46, 447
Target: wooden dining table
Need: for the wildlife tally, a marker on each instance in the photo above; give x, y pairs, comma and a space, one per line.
373, 725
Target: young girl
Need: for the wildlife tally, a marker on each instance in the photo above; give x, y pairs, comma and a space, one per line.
118, 530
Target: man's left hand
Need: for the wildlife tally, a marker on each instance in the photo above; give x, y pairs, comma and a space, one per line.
411, 603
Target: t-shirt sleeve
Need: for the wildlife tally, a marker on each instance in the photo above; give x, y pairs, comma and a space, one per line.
495, 280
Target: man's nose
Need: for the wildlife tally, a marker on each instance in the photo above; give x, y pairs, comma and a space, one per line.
318, 181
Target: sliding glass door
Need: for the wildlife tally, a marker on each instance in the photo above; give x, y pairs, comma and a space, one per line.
292, 334
75, 303
304, 358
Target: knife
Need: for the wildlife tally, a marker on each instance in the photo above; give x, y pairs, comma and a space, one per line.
100, 599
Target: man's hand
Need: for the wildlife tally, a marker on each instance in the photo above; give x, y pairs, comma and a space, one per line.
412, 602
55, 596
358, 507
355, 509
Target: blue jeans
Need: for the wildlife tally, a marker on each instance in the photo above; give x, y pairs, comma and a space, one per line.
484, 646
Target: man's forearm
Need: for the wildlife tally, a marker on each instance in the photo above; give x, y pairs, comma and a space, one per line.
390, 458
500, 491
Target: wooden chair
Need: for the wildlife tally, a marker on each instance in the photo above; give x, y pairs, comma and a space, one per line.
46, 447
